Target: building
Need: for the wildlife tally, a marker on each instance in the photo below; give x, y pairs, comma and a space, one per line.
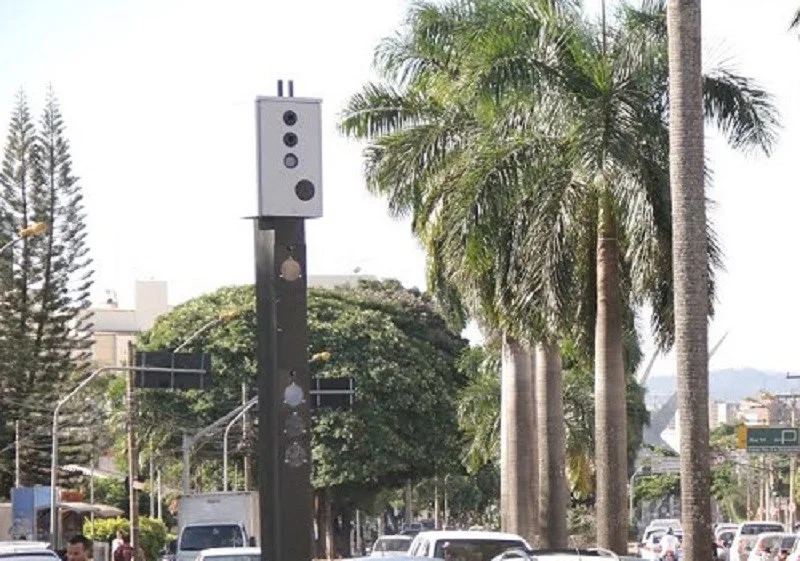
115, 327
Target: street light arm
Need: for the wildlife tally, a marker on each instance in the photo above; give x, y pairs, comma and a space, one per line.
197, 333
232, 422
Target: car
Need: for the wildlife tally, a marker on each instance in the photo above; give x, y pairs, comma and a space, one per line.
475, 546
230, 554
391, 546
554, 554
724, 539
747, 535
27, 551
769, 544
652, 548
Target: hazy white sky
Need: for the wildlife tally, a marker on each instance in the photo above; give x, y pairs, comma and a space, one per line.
158, 99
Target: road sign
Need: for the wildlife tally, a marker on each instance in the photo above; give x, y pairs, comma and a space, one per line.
665, 464
772, 439
332, 393
175, 379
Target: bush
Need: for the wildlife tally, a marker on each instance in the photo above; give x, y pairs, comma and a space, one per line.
152, 533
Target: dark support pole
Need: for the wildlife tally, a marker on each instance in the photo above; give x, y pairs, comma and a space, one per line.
284, 444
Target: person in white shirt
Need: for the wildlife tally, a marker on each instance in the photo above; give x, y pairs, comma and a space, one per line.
116, 542
669, 543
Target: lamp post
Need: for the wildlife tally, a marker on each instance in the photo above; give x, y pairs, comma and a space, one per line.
223, 317
34, 229
244, 410
57, 410
644, 469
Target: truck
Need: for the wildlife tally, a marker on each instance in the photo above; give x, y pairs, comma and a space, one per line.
206, 520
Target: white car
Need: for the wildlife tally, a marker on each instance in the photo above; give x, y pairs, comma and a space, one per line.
27, 551
769, 544
482, 546
747, 535
390, 546
230, 554
555, 555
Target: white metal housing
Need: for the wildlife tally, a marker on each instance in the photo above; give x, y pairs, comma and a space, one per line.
281, 188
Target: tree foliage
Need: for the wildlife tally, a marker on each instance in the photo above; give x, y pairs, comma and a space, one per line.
44, 325
392, 341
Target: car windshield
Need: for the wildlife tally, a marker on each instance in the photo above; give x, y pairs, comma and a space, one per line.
473, 549
788, 542
755, 529
232, 558
392, 544
727, 536
197, 538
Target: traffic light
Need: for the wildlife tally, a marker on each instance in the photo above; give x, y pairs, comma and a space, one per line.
289, 137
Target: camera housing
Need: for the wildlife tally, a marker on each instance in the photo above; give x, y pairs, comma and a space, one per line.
289, 141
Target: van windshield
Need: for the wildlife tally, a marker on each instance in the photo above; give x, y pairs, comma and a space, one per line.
197, 538
755, 529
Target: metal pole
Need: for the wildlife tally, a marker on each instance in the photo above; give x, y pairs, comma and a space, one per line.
436, 503
132, 455
151, 478
241, 413
160, 498
245, 424
16, 455
54, 481
186, 446
197, 333
60, 404
91, 488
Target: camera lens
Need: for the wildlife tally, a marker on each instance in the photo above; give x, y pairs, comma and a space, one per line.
290, 139
304, 190
290, 161
290, 118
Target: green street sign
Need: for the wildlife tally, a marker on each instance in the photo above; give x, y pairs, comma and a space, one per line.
773, 439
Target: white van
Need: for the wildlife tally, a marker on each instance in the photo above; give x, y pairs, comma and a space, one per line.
747, 536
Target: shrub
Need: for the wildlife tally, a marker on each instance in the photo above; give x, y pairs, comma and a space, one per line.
152, 533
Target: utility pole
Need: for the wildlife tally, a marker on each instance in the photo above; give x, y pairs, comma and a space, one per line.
160, 498
245, 439
151, 481
17, 472
132, 456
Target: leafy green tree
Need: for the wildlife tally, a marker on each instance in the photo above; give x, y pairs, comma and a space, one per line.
392, 341
44, 325
152, 533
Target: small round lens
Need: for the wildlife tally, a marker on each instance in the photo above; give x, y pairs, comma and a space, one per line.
290, 139
304, 190
290, 118
290, 161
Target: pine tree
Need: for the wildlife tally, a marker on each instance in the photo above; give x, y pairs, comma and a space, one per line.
16, 177
46, 313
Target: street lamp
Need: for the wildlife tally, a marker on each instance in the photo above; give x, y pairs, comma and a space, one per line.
645, 470
238, 416
57, 410
30, 231
222, 317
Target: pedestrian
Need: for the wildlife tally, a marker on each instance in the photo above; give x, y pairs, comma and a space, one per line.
79, 548
124, 552
116, 542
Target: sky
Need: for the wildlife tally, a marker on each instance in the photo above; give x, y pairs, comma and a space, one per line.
158, 100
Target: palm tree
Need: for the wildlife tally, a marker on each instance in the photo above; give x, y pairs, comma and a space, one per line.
612, 91
795, 20
503, 117
690, 266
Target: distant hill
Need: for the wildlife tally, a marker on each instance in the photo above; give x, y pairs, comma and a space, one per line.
732, 384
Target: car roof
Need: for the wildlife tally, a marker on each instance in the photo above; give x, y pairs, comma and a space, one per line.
470, 535
220, 551
395, 537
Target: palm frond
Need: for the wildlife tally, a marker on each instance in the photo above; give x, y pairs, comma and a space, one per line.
795, 23
744, 112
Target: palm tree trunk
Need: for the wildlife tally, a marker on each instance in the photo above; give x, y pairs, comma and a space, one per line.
552, 443
534, 482
690, 270
611, 458
516, 440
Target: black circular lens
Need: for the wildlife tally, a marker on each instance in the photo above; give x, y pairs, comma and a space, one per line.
290, 139
304, 190
290, 161
290, 118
